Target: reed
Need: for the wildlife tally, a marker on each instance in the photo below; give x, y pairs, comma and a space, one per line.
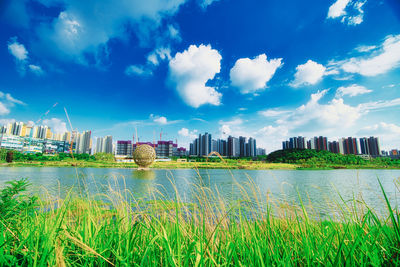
255, 230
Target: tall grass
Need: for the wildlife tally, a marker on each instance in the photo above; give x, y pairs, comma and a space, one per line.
253, 231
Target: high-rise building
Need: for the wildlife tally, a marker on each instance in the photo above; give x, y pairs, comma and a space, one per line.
124, 148
252, 148
370, 146
104, 144
349, 146
334, 147
84, 142
294, 142
205, 144
242, 147
364, 149
261, 152
222, 147
202, 146
233, 147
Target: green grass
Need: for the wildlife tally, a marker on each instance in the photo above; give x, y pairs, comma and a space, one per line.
255, 231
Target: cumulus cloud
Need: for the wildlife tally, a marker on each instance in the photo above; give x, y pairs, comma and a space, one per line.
342, 8
36, 69
185, 132
252, 75
160, 120
382, 59
388, 133
20, 54
337, 9
352, 90
17, 50
78, 32
138, 70
56, 125
308, 73
314, 116
190, 70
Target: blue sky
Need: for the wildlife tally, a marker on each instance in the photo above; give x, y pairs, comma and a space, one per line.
266, 69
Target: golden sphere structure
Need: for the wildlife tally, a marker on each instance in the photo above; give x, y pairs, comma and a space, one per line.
144, 156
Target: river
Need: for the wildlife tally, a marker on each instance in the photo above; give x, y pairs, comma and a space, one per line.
320, 188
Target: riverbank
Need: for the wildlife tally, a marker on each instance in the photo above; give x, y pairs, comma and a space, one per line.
235, 164
248, 232
248, 165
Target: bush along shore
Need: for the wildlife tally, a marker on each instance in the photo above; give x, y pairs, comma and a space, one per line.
281, 159
126, 231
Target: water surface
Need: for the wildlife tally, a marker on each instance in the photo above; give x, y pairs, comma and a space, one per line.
321, 188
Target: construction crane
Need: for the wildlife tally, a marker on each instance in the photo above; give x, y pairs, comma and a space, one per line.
47, 112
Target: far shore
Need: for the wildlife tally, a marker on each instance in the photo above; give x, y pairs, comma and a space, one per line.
247, 165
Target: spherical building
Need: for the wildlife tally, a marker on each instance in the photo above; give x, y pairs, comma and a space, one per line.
144, 156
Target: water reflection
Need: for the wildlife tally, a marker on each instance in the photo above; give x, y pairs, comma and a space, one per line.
144, 174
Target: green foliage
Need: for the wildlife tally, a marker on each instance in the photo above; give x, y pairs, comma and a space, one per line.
84, 232
13, 203
101, 156
314, 158
27, 157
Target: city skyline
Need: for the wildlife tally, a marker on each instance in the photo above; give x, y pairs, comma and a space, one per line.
185, 67
39, 138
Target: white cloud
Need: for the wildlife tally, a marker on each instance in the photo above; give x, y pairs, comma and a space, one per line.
78, 31
186, 133
316, 117
3, 109
36, 69
352, 90
270, 137
382, 60
365, 48
20, 54
174, 33
388, 132
252, 75
6, 102
337, 9
11, 100
6, 121
340, 9
56, 125
17, 50
206, 3
159, 54
160, 120
379, 105
190, 70
138, 70
308, 74
275, 112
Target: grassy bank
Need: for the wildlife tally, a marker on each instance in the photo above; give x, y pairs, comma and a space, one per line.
255, 231
235, 164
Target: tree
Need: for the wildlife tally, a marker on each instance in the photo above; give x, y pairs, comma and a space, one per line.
10, 156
